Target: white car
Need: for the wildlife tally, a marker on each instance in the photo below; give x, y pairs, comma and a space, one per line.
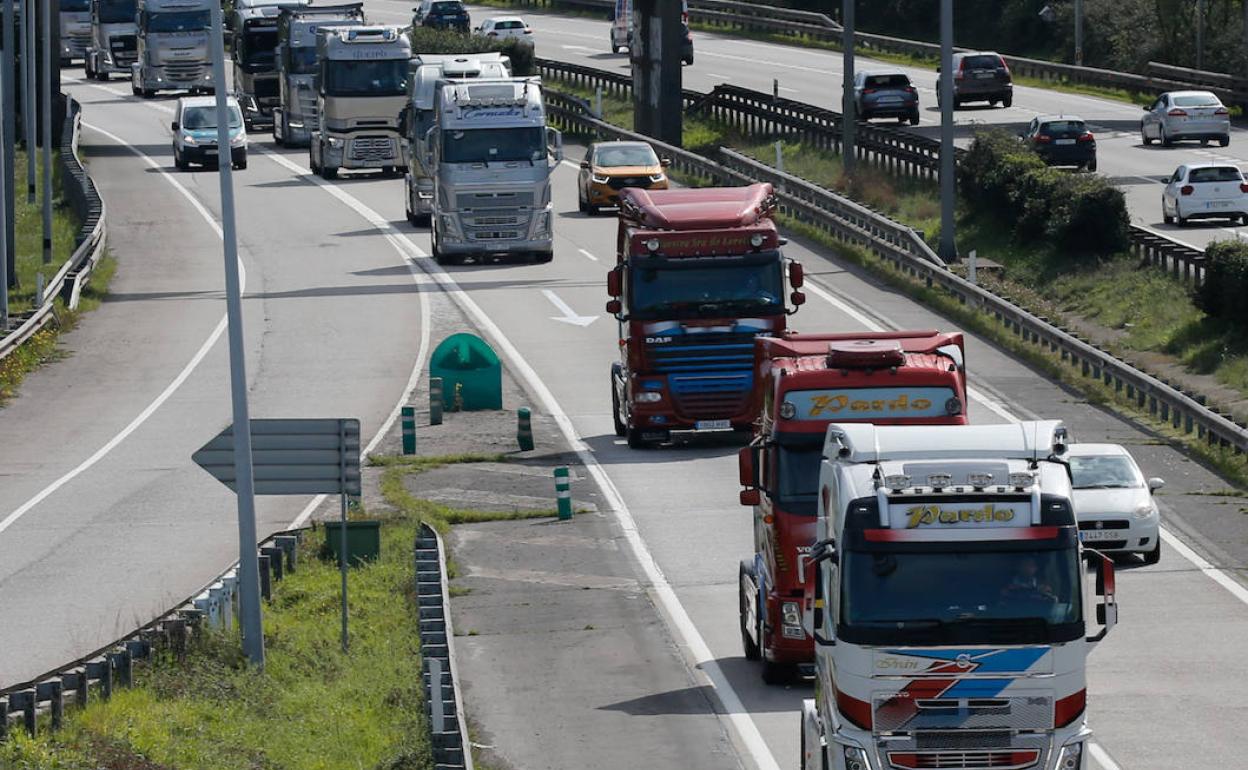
1205, 191
195, 132
1186, 115
1113, 503
506, 27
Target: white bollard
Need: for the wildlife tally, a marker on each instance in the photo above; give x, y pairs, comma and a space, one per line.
970, 268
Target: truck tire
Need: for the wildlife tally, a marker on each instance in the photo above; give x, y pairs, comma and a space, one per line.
635, 439
149, 93
620, 428
86, 68
329, 173
542, 257
752, 650
778, 673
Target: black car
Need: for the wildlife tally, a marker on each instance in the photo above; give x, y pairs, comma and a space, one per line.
442, 14
686, 45
1062, 140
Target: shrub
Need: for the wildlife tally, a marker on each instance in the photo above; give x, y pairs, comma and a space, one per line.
444, 41
1223, 293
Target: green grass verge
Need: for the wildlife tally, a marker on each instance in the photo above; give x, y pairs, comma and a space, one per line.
28, 221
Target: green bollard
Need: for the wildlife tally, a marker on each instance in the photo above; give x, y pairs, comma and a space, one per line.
435, 400
524, 430
409, 430
563, 493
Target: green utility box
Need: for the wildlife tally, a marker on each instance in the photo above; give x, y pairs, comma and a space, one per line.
363, 541
469, 369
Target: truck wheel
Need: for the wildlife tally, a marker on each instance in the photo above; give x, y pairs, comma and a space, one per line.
635, 440
752, 650
329, 172
542, 257
136, 90
1153, 556
86, 68
620, 428
778, 673
149, 93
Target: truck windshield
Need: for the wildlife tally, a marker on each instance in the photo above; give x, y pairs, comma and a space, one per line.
259, 47
797, 474
490, 145
75, 6
366, 78
116, 11
700, 292
975, 596
302, 60
178, 21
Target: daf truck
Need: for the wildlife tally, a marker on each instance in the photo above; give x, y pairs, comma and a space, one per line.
254, 52
361, 88
424, 73
955, 606
172, 47
294, 115
113, 47
75, 21
802, 383
492, 157
699, 275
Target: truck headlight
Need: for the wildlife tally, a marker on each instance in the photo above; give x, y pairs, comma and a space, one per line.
542, 226
1071, 757
1144, 510
648, 397
856, 759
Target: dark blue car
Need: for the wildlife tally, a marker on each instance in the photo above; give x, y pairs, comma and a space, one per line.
442, 14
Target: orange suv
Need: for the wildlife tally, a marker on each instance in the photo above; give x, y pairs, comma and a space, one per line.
611, 166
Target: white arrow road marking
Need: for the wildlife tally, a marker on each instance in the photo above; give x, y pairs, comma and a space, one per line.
569, 315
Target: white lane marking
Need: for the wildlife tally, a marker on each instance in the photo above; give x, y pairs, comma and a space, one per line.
579, 48
587, 254
1236, 588
569, 315
790, 90
694, 648
173, 386
1102, 757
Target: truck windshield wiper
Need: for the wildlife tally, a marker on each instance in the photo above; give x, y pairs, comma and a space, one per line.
1036, 622
902, 622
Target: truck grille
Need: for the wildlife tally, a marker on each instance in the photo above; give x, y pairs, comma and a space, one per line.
373, 149
964, 760
184, 71
494, 221
703, 352
78, 41
710, 396
493, 200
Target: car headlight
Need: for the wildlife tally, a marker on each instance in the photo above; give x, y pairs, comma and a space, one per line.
600, 179
657, 177
189, 140
791, 613
648, 397
856, 758
1071, 757
1144, 510
238, 140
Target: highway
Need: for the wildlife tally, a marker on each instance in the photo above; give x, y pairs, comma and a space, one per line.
104, 521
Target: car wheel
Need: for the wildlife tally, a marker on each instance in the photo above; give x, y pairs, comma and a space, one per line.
992, 102
591, 210
1181, 221
1166, 141
1007, 102
615, 48
1091, 165
242, 164
1167, 219
178, 161
1144, 137
1224, 141
1154, 556
751, 647
914, 120
580, 202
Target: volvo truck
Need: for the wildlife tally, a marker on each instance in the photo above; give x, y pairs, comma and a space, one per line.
254, 51
424, 73
955, 606
361, 88
172, 47
295, 116
802, 383
75, 21
492, 157
113, 47
699, 275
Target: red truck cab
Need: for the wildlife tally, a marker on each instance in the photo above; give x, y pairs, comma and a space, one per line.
699, 275
804, 382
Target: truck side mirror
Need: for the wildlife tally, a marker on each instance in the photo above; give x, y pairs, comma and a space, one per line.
823, 550
747, 466
1107, 606
614, 307
798, 299
555, 138
797, 275
615, 282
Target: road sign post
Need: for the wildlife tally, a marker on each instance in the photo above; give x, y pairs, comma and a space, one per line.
849, 106
948, 190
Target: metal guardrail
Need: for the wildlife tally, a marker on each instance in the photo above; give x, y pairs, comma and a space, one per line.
100, 672
88, 207
1185, 263
448, 728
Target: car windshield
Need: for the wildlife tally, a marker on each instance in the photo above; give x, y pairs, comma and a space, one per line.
1215, 174
888, 81
75, 6
178, 21
981, 62
491, 145
1196, 100
302, 60
446, 9
1104, 472
694, 292
116, 11
259, 47
960, 597
205, 118
366, 78
1063, 127
627, 155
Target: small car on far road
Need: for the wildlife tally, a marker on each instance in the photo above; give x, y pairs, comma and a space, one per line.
1062, 140
1114, 505
195, 132
442, 14
506, 28
609, 167
1205, 191
886, 94
980, 76
1179, 115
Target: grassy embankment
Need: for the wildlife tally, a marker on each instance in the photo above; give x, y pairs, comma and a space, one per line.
313, 708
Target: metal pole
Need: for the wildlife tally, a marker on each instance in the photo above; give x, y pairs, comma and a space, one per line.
47, 129
342, 519
849, 113
1200, 34
10, 135
248, 561
948, 244
1078, 33
29, 90
4, 223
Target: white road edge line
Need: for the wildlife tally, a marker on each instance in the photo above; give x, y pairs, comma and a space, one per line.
173, 386
587, 254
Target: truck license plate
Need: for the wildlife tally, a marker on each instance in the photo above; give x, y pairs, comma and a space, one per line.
713, 425
1091, 535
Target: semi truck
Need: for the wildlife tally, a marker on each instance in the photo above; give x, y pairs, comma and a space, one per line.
699, 276
361, 88
802, 383
254, 52
75, 21
113, 47
172, 47
424, 73
955, 606
294, 115
491, 155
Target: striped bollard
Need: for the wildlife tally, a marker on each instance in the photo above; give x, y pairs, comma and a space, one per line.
524, 429
563, 493
435, 400
409, 430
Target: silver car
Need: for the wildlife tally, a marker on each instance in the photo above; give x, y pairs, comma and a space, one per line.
1114, 505
1181, 115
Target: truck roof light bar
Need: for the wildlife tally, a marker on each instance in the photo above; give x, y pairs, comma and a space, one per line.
865, 354
979, 480
897, 482
938, 481
1021, 481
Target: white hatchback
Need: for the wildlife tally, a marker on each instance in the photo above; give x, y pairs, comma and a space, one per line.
506, 27
1205, 191
1113, 503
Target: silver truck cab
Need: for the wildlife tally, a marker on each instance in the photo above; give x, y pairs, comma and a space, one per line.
424, 73
75, 22
295, 113
113, 44
172, 47
492, 155
254, 52
361, 87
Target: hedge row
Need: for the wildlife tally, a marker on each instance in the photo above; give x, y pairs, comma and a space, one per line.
1082, 215
1224, 293
441, 41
